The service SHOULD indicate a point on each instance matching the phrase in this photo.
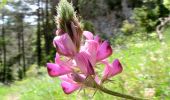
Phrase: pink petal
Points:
(59, 32)
(69, 87)
(84, 64)
(97, 39)
(90, 48)
(57, 70)
(104, 51)
(65, 61)
(112, 69)
(117, 66)
(77, 77)
(64, 45)
(57, 58)
(73, 78)
(67, 78)
(97, 79)
(88, 35)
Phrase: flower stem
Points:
(117, 94)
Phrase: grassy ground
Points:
(146, 74)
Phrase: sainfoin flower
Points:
(77, 69)
(76, 61)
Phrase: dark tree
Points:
(4, 49)
(38, 36)
(23, 43)
(47, 36)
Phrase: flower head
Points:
(76, 64)
(78, 69)
(67, 22)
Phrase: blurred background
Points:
(138, 30)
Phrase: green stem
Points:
(117, 94)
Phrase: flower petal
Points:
(104, 51)
(57, 58)
(117, 66)
(90, 48)
(69, 87)
(97, 39)
(59, 32)
(67, 78)
(64, 45)
(82, 60)
(112, 69)
(68, 84)
(57, 70)
(88, 35)
(79, 78)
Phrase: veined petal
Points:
(117, 66)
(66, 61)
(67, 78)
(64, 45)
(112, 69)
(104, 51)
(91, 48)
(97, 39)
(88, 35)
(57, 70)
(84, 64)
(69, 87)
(73, 78)
(77, 77)
(57, 58)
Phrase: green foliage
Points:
(89, 8)
(87, 25)
(128, 28)
(167, 4)
(146, 17)
(20, 73)
(114, 4)
(65, 14)
(2, 3)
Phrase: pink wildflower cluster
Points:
(76, 66)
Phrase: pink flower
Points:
(57, 70)
(73, 82)
(98, 52)
(68, 84)
(111, 69)
(64, 45)
(84, 63)
(102, 50)
(77, 67)
(59, 67)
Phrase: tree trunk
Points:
(19, 47)
(4, 50)
(23, 45)
(46, 34)
(38, 36)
